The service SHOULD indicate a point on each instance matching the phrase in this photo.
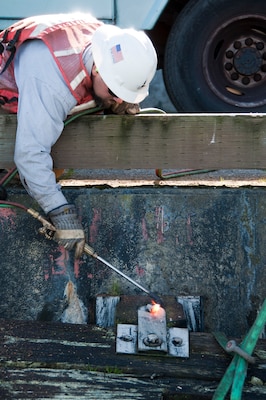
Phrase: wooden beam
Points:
(49, 359)
(166, 141)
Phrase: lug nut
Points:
(237, 44)
(234, 76)
(245, 80)
(228, 66)
(260, 45)
(229, 54)
(257, 77)
(249, 41)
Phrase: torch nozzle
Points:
(156, 298)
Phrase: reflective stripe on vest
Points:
(66, 37)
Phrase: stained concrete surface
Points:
(205, 241)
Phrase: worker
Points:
(52, 66)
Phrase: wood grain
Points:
(213, 141)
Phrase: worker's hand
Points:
(69, 232)
(125, 108)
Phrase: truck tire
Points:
(215, 57)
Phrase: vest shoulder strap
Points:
(9, 46)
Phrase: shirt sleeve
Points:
(44, 103)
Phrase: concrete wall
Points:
(175, 241)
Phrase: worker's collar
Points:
(88, 59)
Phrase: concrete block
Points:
(175, 241)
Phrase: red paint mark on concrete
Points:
(46, 274)
(7, 216)
(160, 237)
(144, 229)
(59, 264)
(189, 231)
(97, 216)
(159, 224)
(77, 265)
(140, 271)
(76, 268)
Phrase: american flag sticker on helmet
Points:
(116, 53)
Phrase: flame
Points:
(155, 308)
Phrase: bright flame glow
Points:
(155, 308)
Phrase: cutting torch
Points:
(48, 230)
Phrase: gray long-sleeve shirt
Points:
(44, 103)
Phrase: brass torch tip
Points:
(156, 299)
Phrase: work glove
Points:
(125, 108)
(69, 232)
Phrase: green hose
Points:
(82, 113)
(6, 180)
(236, 372)
(72, 118)
(249, 344)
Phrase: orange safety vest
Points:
(66, 36)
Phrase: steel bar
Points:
(89, 250)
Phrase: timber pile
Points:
(41, 360)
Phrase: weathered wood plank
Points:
(43, 384)
(213, 141)
(58, 384)
(33, 383)
(48, 360)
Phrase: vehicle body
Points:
(212, 52)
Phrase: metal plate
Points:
(192, 306)
(178, 342)
(126, 339)
(152, 329)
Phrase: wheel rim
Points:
(234, 61)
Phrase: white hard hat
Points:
(126, 60)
